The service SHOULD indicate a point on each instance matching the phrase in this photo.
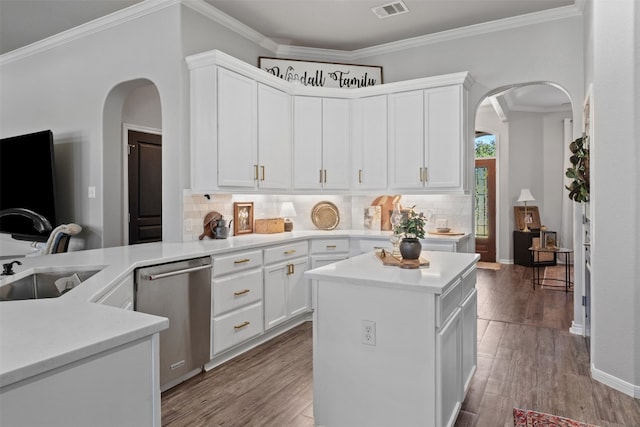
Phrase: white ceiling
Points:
(329, 24)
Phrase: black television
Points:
(27, 180)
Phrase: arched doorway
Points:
(134, 105)
(528, 123)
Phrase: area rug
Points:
(489, 265)
(529, 418)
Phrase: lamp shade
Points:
(287, 210)
(525, 196)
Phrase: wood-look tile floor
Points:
(526, 358)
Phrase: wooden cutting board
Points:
(386, 203)
(388, 259)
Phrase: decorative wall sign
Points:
(322, 74)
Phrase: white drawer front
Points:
(328, 246)
(238, 261)
(235, 291)
(285, 252)
(362, 246)
(468, 281)
(438, 246)
(448, 302)
(236, 327)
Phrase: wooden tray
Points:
(387, 259)
(448, 233)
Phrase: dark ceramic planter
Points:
(410, 248)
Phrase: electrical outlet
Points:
(368, 332)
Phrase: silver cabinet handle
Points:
(176, 272)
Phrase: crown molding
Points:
(233, 24)
(444, 36)
(150, 6)
(108, 21)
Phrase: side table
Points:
(537, 280)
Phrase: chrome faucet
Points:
(40, 223)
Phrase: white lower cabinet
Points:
(286, 291)
(236, 299)
(328, 251)
(449, 394)
(469, 341)
(121, 295)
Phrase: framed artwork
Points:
(532, 218)
(242, 218)
(322, 74)
(548, 239)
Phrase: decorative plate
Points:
(325, 216)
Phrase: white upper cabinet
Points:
(253, 131)
(426, 129)
(237, 130)
(274, 138)
(321, 136)
(369, 143)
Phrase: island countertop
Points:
(367, 269)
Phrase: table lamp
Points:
(287, 211)
(525, 196)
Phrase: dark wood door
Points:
(485, 206)
(145, 187)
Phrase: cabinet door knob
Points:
(255, 172)
(360, 176)
(242, 292)
(262, 170)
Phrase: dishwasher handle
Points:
(176, 272)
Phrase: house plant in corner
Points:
(412, 227)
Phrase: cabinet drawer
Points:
(329, 246)
(447, 303)
(285, 252)
(430, 245)
(238, 261)
(361, 246)
(236, 290)
(236, 327)
(468, 281)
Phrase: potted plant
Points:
(579, 171)
(412, 227)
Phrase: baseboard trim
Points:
(576, 328)
(615, 383)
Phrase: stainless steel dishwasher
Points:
(180, 291)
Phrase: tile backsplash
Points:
(456, 209)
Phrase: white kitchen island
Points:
(392, 346)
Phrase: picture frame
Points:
(548, 239)
(532, 220)
(322, 74)
(242, 218)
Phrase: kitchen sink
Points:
(42, 283)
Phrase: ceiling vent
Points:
(390, 9)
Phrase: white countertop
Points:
(367, 269)
(40, 335)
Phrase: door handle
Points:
(262, 170)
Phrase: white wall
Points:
(65, 89)
(612, 45)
